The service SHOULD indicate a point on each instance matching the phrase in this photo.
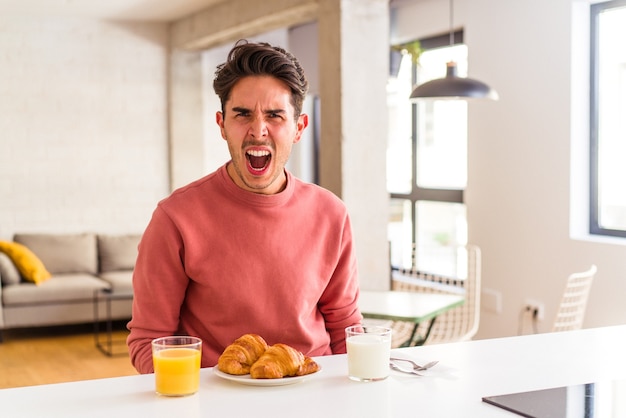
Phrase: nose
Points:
(258, 127)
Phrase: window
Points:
(608, 124)
(427, 163)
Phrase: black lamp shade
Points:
(454, 87)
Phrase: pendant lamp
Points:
(452, 86)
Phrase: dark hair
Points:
(251, 59)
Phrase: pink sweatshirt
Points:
(218, 262)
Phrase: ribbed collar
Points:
(255, 199)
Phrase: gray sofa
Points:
(81, 265)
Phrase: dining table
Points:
(416, 307)
(467, 373)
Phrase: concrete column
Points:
(354, 61)
(186, 118)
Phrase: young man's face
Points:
(258, 125)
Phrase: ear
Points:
(219, 118)
(301, 124)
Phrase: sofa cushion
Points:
(28, 264)
(120, 281)
(8, 272)
(60, 288)
(64, 253)
(117, 252)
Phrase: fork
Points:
(416, 366)
(394, 366)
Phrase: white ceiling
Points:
(149, 10)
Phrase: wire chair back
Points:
(458, 324)
(571, 311)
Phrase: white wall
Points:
(83, 140)
(520, 183)
(83, 133)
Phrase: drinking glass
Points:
(369, 349)
(176, 365)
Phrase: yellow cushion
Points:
(28, 264)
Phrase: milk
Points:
(368, 356)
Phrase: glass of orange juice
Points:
(176, 365)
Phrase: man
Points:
(249, 248)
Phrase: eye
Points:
(240, 112)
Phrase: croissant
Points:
(241, 354)
(281, 360)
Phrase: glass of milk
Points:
(369, 348)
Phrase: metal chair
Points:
(458, 324)
(573, 305)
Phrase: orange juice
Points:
(177, 371)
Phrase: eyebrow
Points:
(240, 109)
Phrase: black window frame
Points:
(594, 117)
(421, 193)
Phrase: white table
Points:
(413, 307)
(454, 388)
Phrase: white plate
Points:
(247, 380)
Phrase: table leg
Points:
(96, 319)
(408, 342)
(417, 340)
(109, 322)
(106, 346)
(428, 330)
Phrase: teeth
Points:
(258, 153)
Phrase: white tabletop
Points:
(454, 388)
(406, 306)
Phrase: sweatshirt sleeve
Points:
(339, 302)
(159, 284)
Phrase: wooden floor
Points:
(59, 354)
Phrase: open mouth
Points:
(258, 159)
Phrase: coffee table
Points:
(106, 296)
